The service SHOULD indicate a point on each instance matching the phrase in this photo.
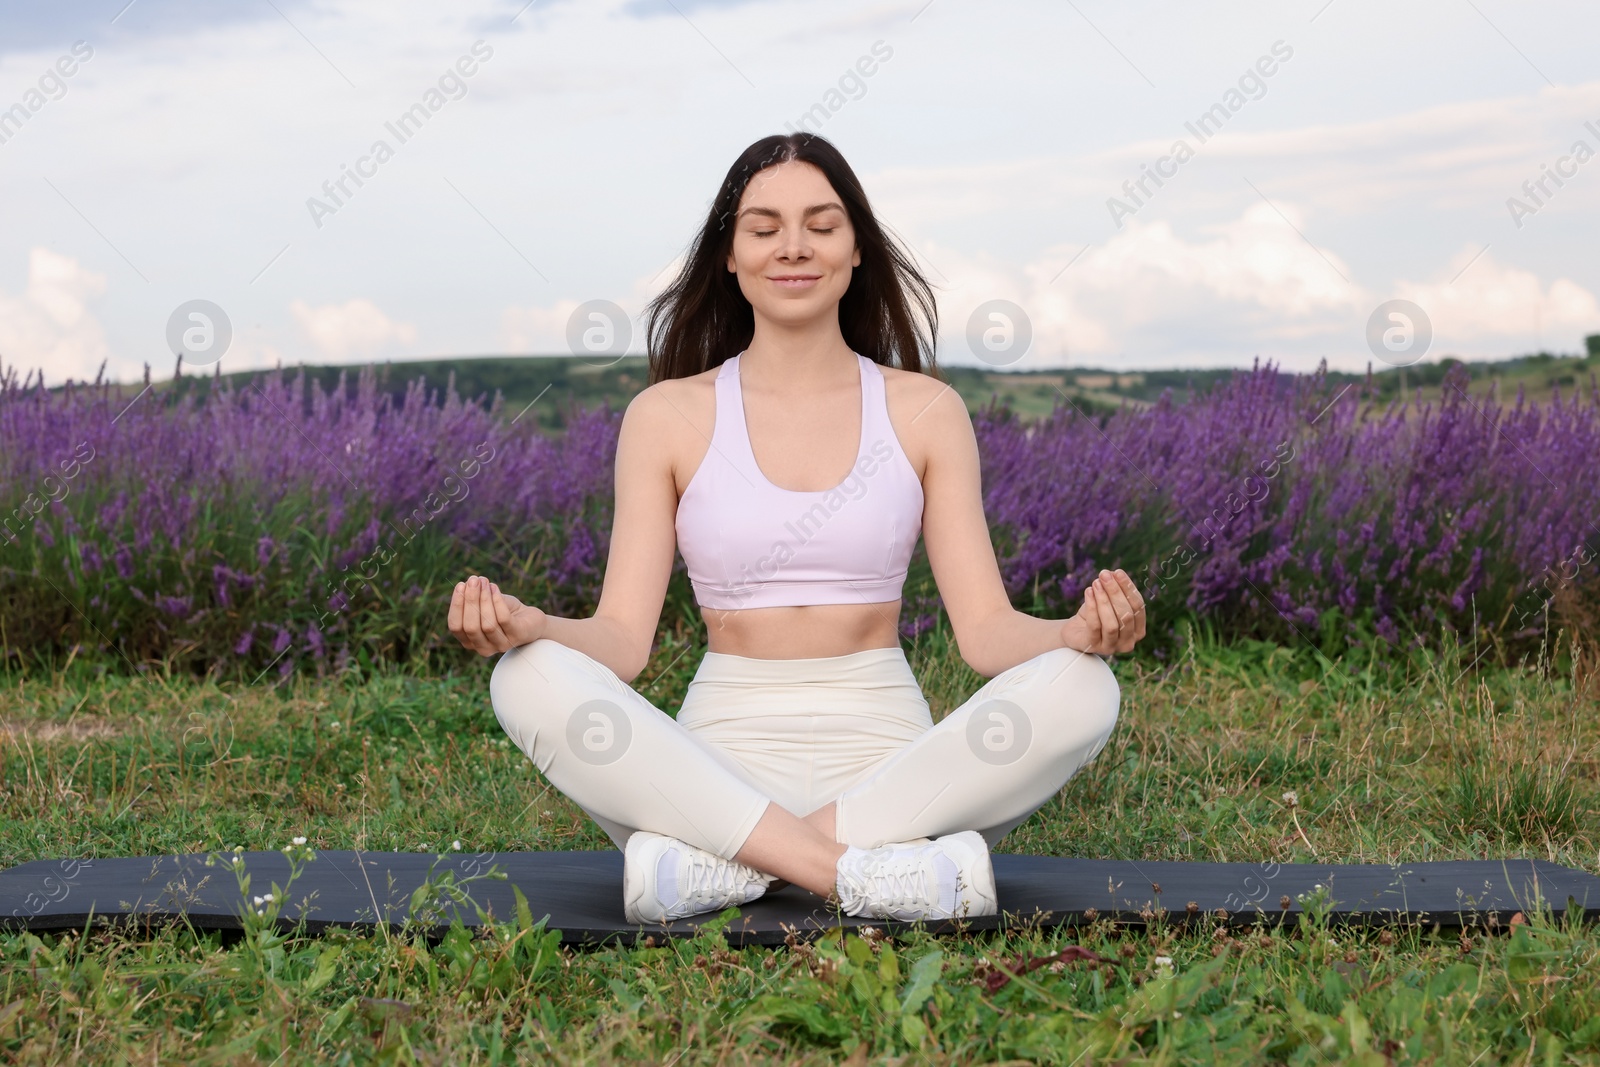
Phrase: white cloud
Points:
(542, 331)
(50, 327)
(1254, 286)
(538, 331)
(1254, 281)
(1490, 300)
(355, 328)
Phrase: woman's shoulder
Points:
(920, 397)
(677, 404)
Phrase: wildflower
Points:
(456, 845)
(1291, 798)
(297, 841)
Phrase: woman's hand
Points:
(1112, 615)
(488, 621)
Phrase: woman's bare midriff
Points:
(808, 631)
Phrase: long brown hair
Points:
(702, 318)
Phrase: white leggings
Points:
(802, 733)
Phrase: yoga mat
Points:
(581, 893)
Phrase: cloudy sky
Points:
(179, 157)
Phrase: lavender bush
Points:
(1277, 510)
(275, 524)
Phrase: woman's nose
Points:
(795, 245)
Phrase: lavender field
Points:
(280, 527)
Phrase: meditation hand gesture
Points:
(1112, 615)
(488, 621)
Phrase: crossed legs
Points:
(986, 766)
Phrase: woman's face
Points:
(793, 245)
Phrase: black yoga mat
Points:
(581, 893)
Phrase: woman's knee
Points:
(531, 686)
(1082, 697)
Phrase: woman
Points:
(804, 751)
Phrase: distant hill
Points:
(552, 384)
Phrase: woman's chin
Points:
(798, 311)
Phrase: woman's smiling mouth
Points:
(795, 281)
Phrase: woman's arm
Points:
(638, 566)
(622, 630)
(991, 635)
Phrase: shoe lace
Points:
(708, 877)
(898, 881)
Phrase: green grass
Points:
(1235, 753)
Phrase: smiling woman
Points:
(792, 375)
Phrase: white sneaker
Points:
(941, 879)
(665, 879)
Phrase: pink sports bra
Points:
(750, 544)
